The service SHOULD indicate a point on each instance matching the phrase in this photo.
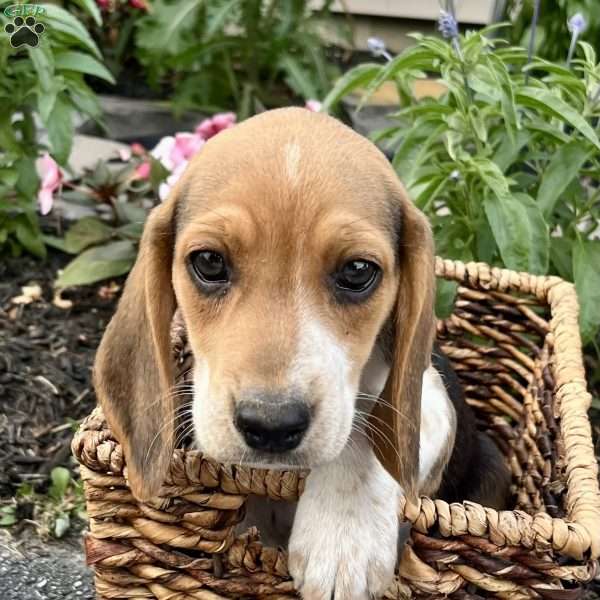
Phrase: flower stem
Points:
(534, 22)
(572, 49)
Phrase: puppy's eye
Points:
(209, 266)
(356, 276)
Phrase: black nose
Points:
(272, 426)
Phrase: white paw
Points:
(344, 539)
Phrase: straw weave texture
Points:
(513, 339)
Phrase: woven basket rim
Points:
(576, 536)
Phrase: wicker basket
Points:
(513, 339)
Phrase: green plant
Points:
(111, 25)
(505, 166)
(551, 42)
(106, 246)
(45, 86)
(53, 511)
(245, 55)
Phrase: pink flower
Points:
(51, 178)
(137, 149)
(103, 4)
(313, 105)
(186, 145)
(164, 189)
(162, 151)
(210, 127)
(125, 154)
(139, 4)
(173, 151)
(142, 171)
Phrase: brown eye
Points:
(209, 266)
(356, 276)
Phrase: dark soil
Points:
(46, 355)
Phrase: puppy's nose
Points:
(272, 426)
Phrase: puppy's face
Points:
(288, 245)
(285, 272)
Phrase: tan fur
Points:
(285, 219)
(413, 339)
(133, 368)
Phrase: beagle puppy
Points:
(305, 278)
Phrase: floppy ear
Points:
(413, 324)
(133, 370)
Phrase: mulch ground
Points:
(46, 355)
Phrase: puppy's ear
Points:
(133, 370)
(413, 324)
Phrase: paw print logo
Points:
(24, 31)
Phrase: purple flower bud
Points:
(447, 25)
(377, 48)
(577, 24)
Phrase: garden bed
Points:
(46, 354)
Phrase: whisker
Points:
(372, 428)
(387, 404)
(372, 416)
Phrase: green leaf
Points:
(509, 110)
(129, 213)
(444, 298)
(356, 78)
(217, 20)
(589, 52)
(555, 107)
(413, 150)
(47, 98)
(28, 181)
(82, 63)
(298, 77)
(539, 235)
(8, 176)
(559, 173)
(59, 19)
(507, 218)
(508, 150)
(158, 173)
(60, 129)
(55, 242)
(131, 231)
(8, 515)
(167, 29)
(43, 63)
(86, 232)
(30, 237)
(561, 255)
(98, 263)
(414, 58)
(60, 478)
(85, 100)
(586, 270)
(425, 196)
(91, 7)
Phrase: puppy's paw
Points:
(344, 545)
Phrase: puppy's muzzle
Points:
(272, 422)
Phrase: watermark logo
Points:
(25, 30)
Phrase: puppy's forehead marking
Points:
(291, 152)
